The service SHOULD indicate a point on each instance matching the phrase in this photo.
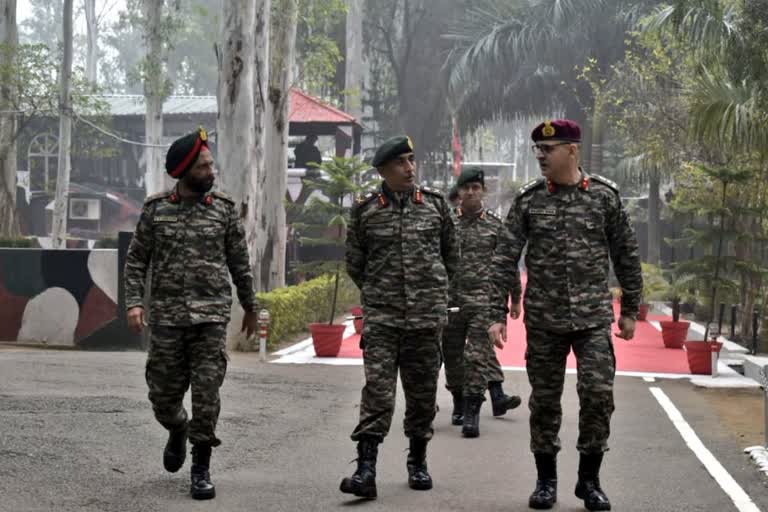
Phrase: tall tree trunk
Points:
(154, 93)
(282, 53)
(654, 217)
(234, 128)
(255, 231)
(354, 69)
(596, 142)
(60, 212)
(9, 39)
(92, 33)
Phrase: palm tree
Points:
(519, 58)
(726, 97)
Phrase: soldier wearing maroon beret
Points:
(193, 240)
(573, 225)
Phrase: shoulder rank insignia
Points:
(159, 195)
(605, 181)
(492, 214)
(222, 195)
(365, 198)
(430, 191)
(530, 186)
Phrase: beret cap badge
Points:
(548, 130)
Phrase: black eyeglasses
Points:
(546, 149)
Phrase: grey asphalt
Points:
(77, 434)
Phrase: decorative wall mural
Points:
(67, 297)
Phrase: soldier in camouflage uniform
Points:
(573, 224)
(470, 360)
(192, 240)
(401, 252)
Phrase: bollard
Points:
(263, 332)
(733, 322)
(755, 318)
(713, 353)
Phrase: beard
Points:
(201, 186)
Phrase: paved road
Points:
(76, 434)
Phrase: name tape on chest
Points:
(166, 218)
(551, 212)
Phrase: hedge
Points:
(19, 242)
(293, 308)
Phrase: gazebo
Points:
(310, 116)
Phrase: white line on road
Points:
(649, 379)
(740, 498)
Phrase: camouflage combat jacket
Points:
(191, 249)
(402, 250)
(571, 232)
(477, 234)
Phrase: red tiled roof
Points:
(308, 109)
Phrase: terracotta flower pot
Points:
(674, 333)
(357, 311)
(327, 338)
(700, 355)
(643, 312)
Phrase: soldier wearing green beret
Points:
(401, 252)
(471, 365)
(193, 240)
(573, 224)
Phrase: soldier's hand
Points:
(498, 334)
(250, 323)
(515, 311)
(627, 326)
(136, 319)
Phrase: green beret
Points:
(184, 151)
(392, 148)
(469, 175)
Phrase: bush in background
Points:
(293, 308)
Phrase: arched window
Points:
(42, 159)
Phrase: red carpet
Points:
(645, 353)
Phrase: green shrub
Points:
(106, 243)
(19, 242)
(293, 308)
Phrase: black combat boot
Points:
(501, 402)
(202, 488)
(363, 482)
(418, 477)
(472, 406)
(588, 486)
(176, 448)
(545, 494)
(457, 416)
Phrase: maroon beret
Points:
(560, 129)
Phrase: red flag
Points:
(456, 145)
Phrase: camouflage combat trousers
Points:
(470, 360)
(183, 356)
(416, 354)
(545, 362)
